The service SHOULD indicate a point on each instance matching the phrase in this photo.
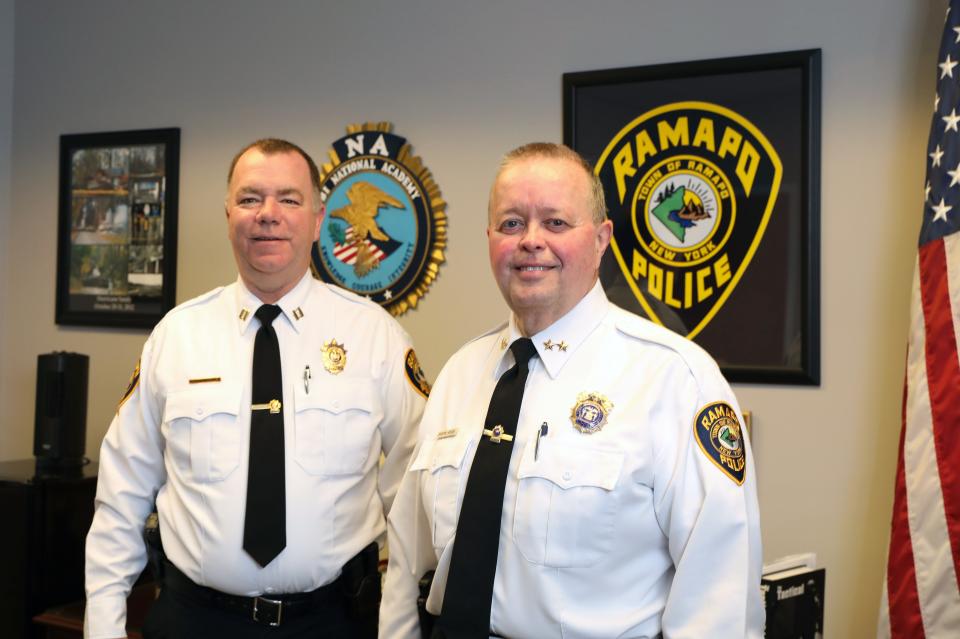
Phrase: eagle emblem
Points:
(356, 242)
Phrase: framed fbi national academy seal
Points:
(384, 232)
(711, 176)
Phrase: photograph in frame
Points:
(116, 263)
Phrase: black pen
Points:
(540, 433)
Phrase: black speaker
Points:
(60, 427)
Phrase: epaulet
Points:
(199, 300)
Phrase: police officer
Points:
(255, 423)
(624, 500)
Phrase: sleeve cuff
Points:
(105, 618)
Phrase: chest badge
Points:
(590, 413)
(334, 357)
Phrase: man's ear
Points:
(320, 214)
(604, 232)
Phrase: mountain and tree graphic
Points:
(679, 208)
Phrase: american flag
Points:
(347, 251)
(921, 597)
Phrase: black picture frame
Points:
(764, 325)
(117, 227)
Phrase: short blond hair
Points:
(552, 150)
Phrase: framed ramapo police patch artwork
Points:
(385, 229)
(711, 171)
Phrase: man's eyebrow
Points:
(256, 190)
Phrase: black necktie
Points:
(469, 593)
(265, 524)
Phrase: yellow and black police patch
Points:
(690, 187)
(415, 374)
(131, 386)
(719, 436)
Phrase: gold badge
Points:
(334, 357)
(590, 413)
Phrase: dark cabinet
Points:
(44, 518)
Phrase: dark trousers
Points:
(174, 616)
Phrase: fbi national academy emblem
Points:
(690, 187)
(385, 229)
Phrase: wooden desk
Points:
(66, 622)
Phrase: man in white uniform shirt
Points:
(629, 506)
(270, 502)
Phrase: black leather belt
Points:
(270, 610)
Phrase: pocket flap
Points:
(439, 453)
(336, 395)
(568, 466)
(200, 402)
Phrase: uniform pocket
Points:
(202, 430)
(567, 505)
(335, 424)
(442, 463)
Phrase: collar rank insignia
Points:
(590, 413)
(719, 436)
(334, 357)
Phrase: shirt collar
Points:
(291, 305)
(557, 343)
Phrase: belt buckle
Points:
(271, 615)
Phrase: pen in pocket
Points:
(540, 433)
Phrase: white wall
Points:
(465, 83)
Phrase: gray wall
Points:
(465, 83)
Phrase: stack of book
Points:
(793, 594)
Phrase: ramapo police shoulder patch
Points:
(415, 374)
(131, 386)
(385, 229)
(690, 187)
(720, 437)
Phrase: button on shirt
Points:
(628, 531)
(183, 436)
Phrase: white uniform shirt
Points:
(183, 436)
(629, 531)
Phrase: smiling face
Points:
(273, 221)
(545, 247)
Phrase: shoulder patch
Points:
(719, 436)
(415, 374)
(131, 386)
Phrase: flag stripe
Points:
(927, 523)
(903, 619)
(943, 373)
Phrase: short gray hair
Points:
(598, 204)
